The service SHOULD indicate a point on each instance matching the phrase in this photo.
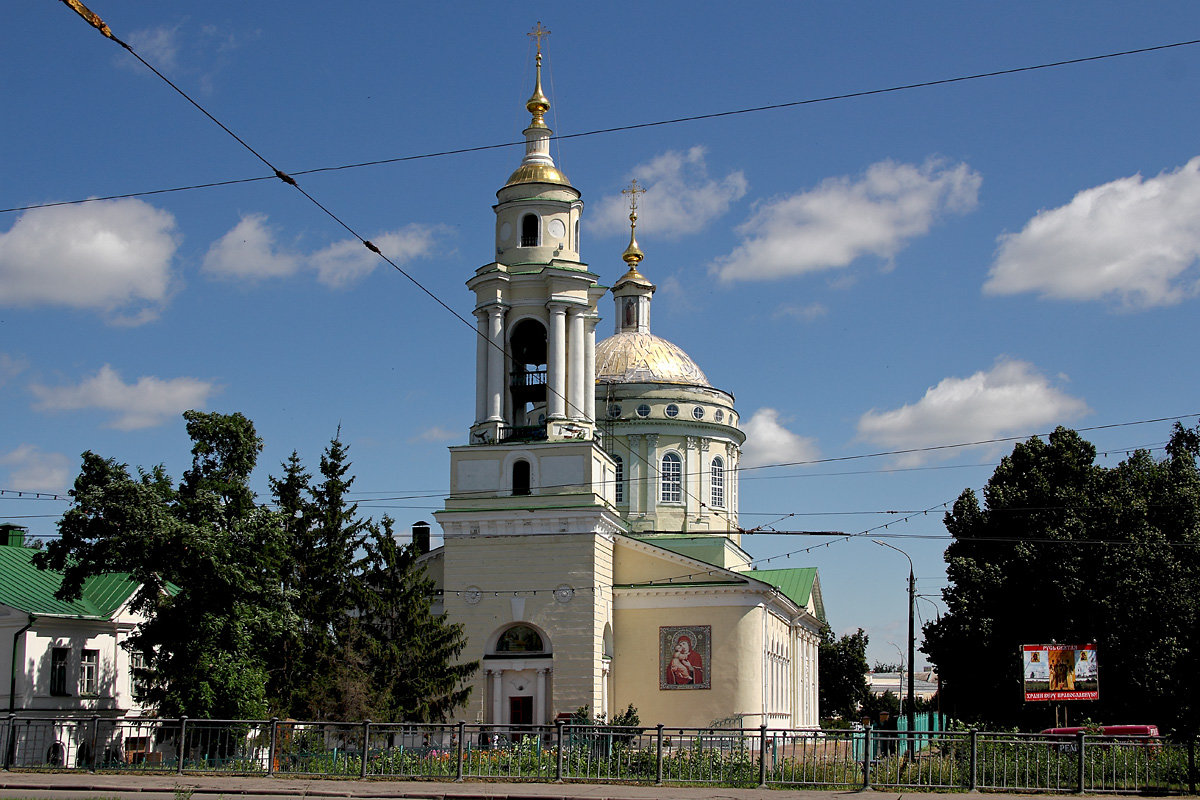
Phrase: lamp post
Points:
(912, 642)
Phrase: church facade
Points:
(591, 548)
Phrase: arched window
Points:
(717, 482)
(520, 477)
(520, 639)
(620, 487)
(529, 230)
(672, 479)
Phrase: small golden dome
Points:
(633, 357)
(538, 173)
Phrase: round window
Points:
(719, 415)
(698, 412)
(643, 410)
(672, 410)
(614, 410)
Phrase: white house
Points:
(60, 659)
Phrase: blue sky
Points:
(983, 259)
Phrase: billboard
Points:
(1060, 672)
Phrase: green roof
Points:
(797, 584)
(27, 588)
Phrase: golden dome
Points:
(538, 173)
(633, 357)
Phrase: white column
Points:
(497, 695)
(481, 366)
(539, 698)
(577, 405)
(704, 478)
(605, 670)
(634, 470)
(691, 477)
(589, 370)
(650, 484)
(557, 389)
(495, 368)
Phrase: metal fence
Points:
(888, 759)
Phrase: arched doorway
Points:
(518, 664)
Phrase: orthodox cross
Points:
(633, 191)
(537, 33)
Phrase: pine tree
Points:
(411, 654)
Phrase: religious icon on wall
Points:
(684, 654)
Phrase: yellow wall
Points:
(502, 565)
(735, 671)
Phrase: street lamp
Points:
(912, 642)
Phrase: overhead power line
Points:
(582, 134)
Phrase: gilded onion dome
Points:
(537, 166)
(637, 357)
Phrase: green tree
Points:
(208, 560)
(1065, 550)
(325, 535)
(409, 654)
(841, 673)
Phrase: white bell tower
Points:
(536, 305)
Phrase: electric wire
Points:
(621, 128)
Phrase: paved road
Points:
(77, 785)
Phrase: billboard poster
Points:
(1060, 672)
(684, 655)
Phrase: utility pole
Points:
(912, 645)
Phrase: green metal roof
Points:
(797, 584)
(27, 588)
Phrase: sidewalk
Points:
(75, 785)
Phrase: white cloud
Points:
(10, 367)
(436, 433)
(31, 470)
(113, 256)
(805, 313)
(769, 442)
(845, 218)
(148, 402)
(1134, 240)
(680, 197)
(159, 46)
(249, 251)
(1012, 398)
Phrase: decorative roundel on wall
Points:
(672, 410)
(643, 410)
(472, 595)
(698, 412)
(505, 231)
(719, 415)
(564, 593)
(556, 229)
(614, 410)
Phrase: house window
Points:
(717, 482)
(529, 230)
(672, 479)
(58, 671)
(672, 410)
(89, 673)
(137, 676)
(520, 477)
(620, 487)
(643, 410)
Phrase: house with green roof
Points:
(63, 658)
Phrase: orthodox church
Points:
(591, 548)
